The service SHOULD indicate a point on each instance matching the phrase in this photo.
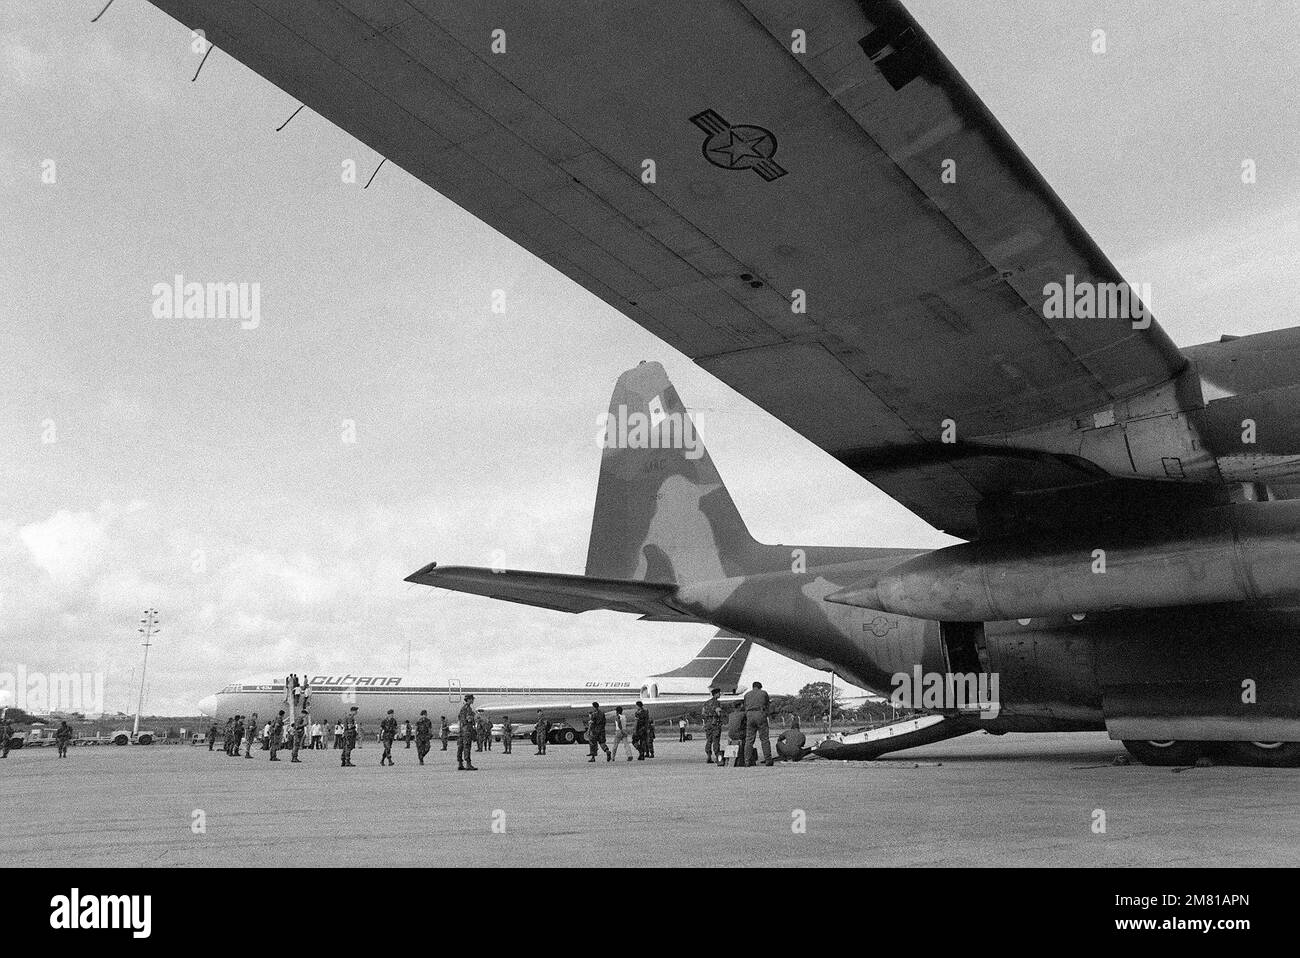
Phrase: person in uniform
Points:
(649, 738)
(712, 712)
(277, 735)
(349, 737)
(299, 731)
(756, 705)
(735, 737)
(596, 732)
(408, 734)
(507, 734)
(212, 736)
(541, 731)
(423, 735)
(621, 735)
(63, 738)
(252, 736)
(640, 730)
(484, 732)
(225, 735)
(444, 732)
(236, 736)
(465, 739)
(387, 732)
(7, 733)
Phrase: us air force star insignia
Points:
(880, 626)
(738, 147)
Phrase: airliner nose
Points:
(208, 705)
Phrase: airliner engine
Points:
(1244, 552)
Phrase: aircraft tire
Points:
(1262, 754)
(1165, 753)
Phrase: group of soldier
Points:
(747, 727)
(62, 737)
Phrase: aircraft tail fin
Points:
(717, 665)
(662, 512)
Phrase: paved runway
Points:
(1009, 800)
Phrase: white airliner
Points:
(667, 695)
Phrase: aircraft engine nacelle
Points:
(1238, 553)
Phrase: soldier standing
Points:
(7, 732)
(712, 712)
(299, 729)
(444, 732)
(277, 734)
(349, 737)
(225, 738)
(236, 736)
(408, 733)
(756, 706)
(465, 743)
(423, 735)
(640, 730)
(484, 732)
(507, 734)
(62, 738)
(387, 732)
(541, 731)
(212, 736)
(596, 732)
(252, 736)
(649, 737)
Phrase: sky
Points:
(199, 467)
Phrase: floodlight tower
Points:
(148, 627)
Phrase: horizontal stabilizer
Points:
(563, 593)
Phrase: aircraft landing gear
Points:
(1168, 752)
(1262, 754)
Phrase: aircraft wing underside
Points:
(781, 216)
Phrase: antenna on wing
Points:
(376, 173)
(291, 116)
(207, 53)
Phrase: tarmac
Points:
(979, 800)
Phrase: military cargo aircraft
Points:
(667, 695)
(806, 199)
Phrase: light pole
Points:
(148, 626)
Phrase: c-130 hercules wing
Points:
(761, 184)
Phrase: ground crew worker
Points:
(277, 734)
(63, 738)
(756, 705)
(596, 732)
(252, 735)
(299, 730)
(507, 733)
(712, 713)
(212, 736)
(408, 733)
(387, 732)
(444, 732)
(423, 735)
(621, 735)
(349, 737)
(640, 730)
(467, 720)
(541, 732)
